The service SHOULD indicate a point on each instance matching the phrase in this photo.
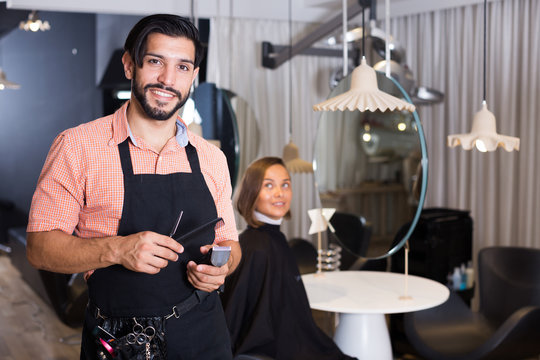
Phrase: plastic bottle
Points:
(462, 271)
(470, 275)
(456, 279)
(449, 281)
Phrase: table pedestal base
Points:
(364, 336)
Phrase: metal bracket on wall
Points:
(275, 55)
(271, 54)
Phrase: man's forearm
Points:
(63, 253)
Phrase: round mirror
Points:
(372, 168)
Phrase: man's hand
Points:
(206, 277)
(57, 251)
(147, 251)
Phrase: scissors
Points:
(140, 335)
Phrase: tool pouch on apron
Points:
(140, 338)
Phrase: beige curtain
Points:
(445, 51)
(235, 63)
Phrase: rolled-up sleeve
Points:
(59, 195)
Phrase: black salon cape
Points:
(266, 305)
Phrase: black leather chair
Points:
(305, 254)
(353, 234)
(507, 324)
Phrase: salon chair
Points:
(67, 294)
(305, 254)
(506, 326)
(353, 233)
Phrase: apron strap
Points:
(193, 159)
(125, 158)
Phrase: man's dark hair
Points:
(170, 25)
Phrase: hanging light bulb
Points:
(34, 23)
(483, 133)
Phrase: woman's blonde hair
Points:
(251, 185)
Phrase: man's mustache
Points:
(159, 86)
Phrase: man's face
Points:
(161, 85)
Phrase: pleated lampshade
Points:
(364, 95)
(292, 160)
(484, 135)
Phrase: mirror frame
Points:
(423, 186)
(423, 189)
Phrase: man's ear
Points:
(129, 65)
(195, 72)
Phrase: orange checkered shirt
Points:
(81, 186)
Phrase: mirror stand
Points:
(319, 272)
(406, 295)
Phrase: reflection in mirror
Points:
(208, 113)
(227, 120)
(367, 166)
(248, 132)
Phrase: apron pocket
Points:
(137, 338)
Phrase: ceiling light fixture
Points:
(483, 134)
(34, 23)
(5, 83)
(364, 93)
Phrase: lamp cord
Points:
(290, 70)
(363, 33)
(485, 42)
(344, 40)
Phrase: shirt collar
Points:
(265, 219)
(121, 129)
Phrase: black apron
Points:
(152, 202)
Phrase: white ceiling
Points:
(302, 10)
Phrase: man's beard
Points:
(155, 112)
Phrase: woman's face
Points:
(274, 199)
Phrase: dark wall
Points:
(57, 73)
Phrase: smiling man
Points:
(115, 193)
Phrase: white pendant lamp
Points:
(5, 83)
(291, 158)
(364, 93)
(483, 134)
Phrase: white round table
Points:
(362, 298)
